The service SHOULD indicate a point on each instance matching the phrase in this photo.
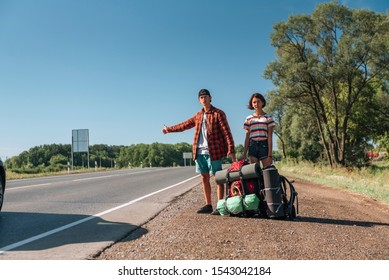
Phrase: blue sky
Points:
(123, 68)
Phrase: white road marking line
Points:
(108, 176)
(51, 232)
(75, 180)
(93, 178)
(30, 186)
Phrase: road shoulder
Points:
(332, 224)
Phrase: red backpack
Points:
(236, 187)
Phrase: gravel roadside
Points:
(332, 224)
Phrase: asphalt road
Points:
(76, 216)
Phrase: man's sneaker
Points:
(216, 212)
(207, 209)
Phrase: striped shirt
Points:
(258, 126)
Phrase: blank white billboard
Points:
(80, 140)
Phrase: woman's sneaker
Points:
(207, 209)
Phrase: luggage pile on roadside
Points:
(255, 192)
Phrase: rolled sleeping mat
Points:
(220, 176)
(249, 171)
(273, 193)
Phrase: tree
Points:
(276, 107)
(328, 63)
(58, 159)
(381, 117)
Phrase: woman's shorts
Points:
(205, 165)
(258, 149)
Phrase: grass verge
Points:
(372, 181)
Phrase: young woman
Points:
(259, 127)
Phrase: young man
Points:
(212, 141)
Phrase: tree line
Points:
(57, 157)
(331, 73)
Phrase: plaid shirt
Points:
(220, 141)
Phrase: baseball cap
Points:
(204, 92)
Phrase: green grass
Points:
(372, 181)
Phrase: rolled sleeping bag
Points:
(249, 171)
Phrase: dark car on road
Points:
(2, 183)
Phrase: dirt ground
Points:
(332, 224)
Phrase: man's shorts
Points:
(258, 149)
(205, 165)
